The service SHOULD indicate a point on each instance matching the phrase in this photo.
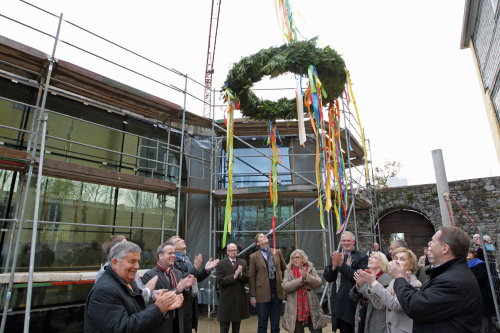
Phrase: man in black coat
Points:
(450, 301)
(115, 303)
(341, 274)
(231, 277)
(171, 279)
(187, 266)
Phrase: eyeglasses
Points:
(233, 250)
(296, 257)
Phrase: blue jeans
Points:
(269, 310)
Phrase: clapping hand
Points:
(397, 271)
(198, 259)
(185, 283)
(303, 275)
(238, 272)
(211, 264)
(337, 259)
(363, 277)
(166, 300)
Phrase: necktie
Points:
(345, 258)
(233, 262)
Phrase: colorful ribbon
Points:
(367, 171)
(232, 103)
(273, 176)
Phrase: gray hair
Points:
(171, 240)
(120, 250)
(304, 256)
(348, 233)
(400, 243)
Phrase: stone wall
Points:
(479, 198)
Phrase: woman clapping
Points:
(385, 298)
(302, 305)
(368, 318)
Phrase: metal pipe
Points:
(212, 238)
(284, 224)
(488, 269)
(278, 231)
(43, 119)
(98, 225)
(179, 183)
(348, 142)
(31, 150)
(442, 188)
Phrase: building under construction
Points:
(83, 156)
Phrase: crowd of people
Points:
(445, 290)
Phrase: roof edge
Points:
(469, 22)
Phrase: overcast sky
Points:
(415, 89)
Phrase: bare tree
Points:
(382, 174)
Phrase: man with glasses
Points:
(232, 276)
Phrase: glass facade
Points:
(250, 217)
(76, 217)
(251, 168)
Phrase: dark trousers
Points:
(269, 310)
(345, 327)
(224, 326)
(301, 329)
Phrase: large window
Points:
(251, 168)
(75, 219)
(252, 216)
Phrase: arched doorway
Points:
(416, 229)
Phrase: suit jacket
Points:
(190, 305)
(233, 301)
(259, 276)
(342, 306)
(162, 283)
(449, 302)
(112, 307)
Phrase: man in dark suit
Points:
(186, 265)
(231, 276)
(115, 303)
(171, 279)
(341, 273)
(265, 276)
(450, 301)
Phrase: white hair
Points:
(120, 250)
(348, 233)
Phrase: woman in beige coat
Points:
(302, 307)
(396, 318)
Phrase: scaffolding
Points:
(165, 167)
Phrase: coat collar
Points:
(435, 271)
(135, 290)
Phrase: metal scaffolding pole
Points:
(212, 238)
(43, 119)
(179, 183)
(353, 203)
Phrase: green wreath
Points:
(274, 61)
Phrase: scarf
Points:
(303, 311)
(474, 262)
(182, 256)
(168, 271)
(271, 268)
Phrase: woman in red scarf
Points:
(302, 305)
